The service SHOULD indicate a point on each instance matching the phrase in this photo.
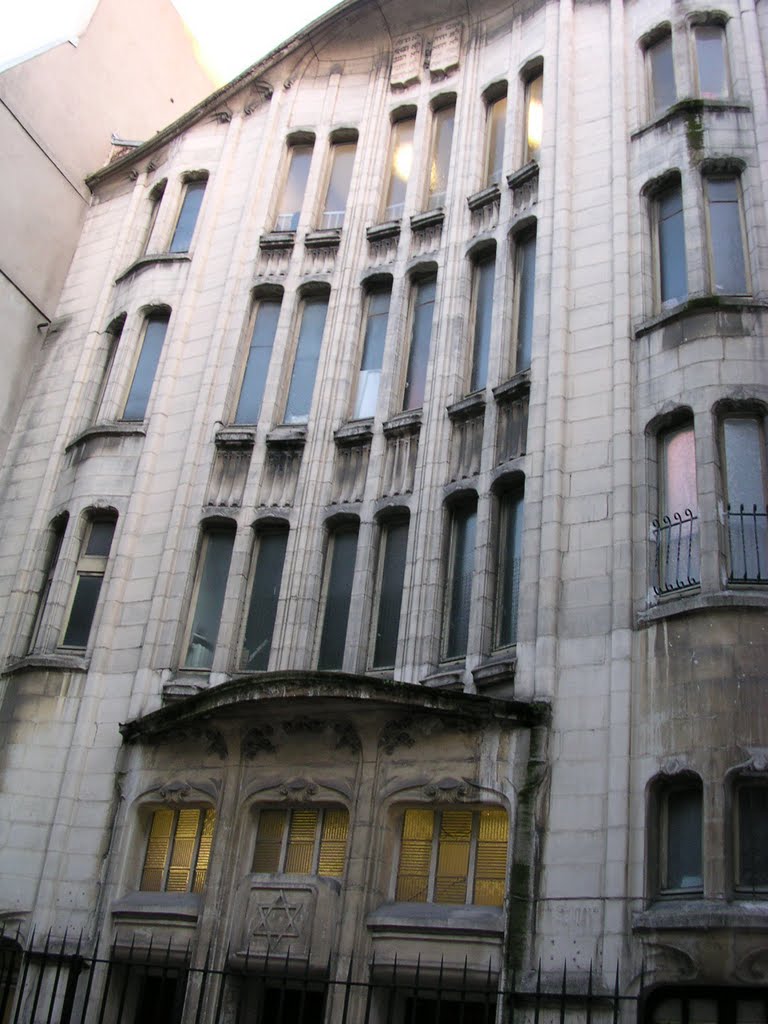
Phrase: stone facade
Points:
(490, 542)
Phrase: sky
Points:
(231, 34)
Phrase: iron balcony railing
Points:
(676, 539)
(747, 544)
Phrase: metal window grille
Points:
(676, 539)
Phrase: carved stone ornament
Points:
(757, 759)
(446, 46)
(673, 766)
(396, 734)
(278, 919)
(257, 741)
(406, 60)
(214, 740)
(346, 737)
(175, 792)
(670, 963)
(753, 968)
(298, 790)
(263, 95)
(303, 724)
(446, 790)
(223, 116)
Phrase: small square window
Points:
(178, 850)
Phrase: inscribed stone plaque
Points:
(445, 48)
(406, 59)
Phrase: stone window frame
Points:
(397, 815)
(680, 781)
(212, 525)
(388, 519)
(269, 293)
(87, 566)
(335, 526)
(265, 526)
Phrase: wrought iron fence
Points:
(55, 983)
(677, 552)
(747, 544)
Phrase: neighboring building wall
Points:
(58, 112)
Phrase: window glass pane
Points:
(395, 540)
(753, 836)
(497, 117)
(157, 851)
(400, 169)
(338, 598)
(673, 271)
(100, 537)
(703, 1011)
(677, 534)
(259, 353)
(683, 839)
(338, 184)
(301, 842)
(710, 61)
(534, 118)
(679, 484)
(373, 354)
(484, 275)
(669, 1012)
(415, 856)
(510, 542)
(663, 91)
(265, 592)
(269, 841)
(460, 582)
(526, 280)
(440, 162)
(210, 598)
(749, 1011)
(727, 251)
(305, 363)
(453, 857)
(418, 357)
(333, 843)
(745, 485)
(155, 199)
(83, 609)
(289, 208)
(146, 367)
(190, 208)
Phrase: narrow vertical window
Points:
(726, 241)
(178, 850)
(257, 362)
(440, 158)
(745, 479)
(752, 836)
(421, 332)
(672, 264)
(342, 161)
(55, 540)
(461, 566)
(146, 368)
(155, 198)
(377, 317)
(711, 62)
(525, 281)
(190, 208)
(662, 91)
(509, 556)
(340, 568)
(292, 198)
(484, 274)
(91, 568)
(495, 130)
(394, 544)
(265, 592)
(113, 332)
(208, 597)
(401, 161)
(680, 834)
(677, 528)
(534, 119)
(305, 363)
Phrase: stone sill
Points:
(684, 107)
(699, 304)
(448, 678)
(110, 428)
(381, 232)
(688, 603)
(403, 423)
(152, 260)
(485, 197)
(47, 663)
(701, 915)
(324, 239)
(354, 432)
(499, 669)
(235, 437)
(516, 387)
(426, 918)
(276, 240)
(151, 906)
(524, 175)
(287, 435)
(465, 408)
(428, 219)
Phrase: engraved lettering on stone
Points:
(406, 60)
(445, 48)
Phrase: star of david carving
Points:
(277, 920)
